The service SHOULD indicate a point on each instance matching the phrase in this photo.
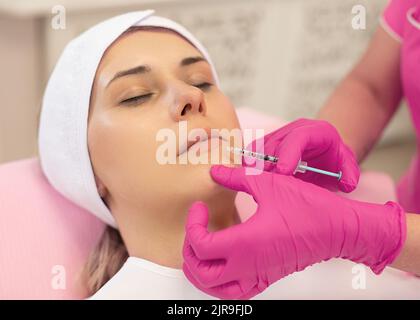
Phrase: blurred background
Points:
(281, 57)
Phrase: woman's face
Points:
(150, 80)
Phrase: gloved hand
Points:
(297, 224)
(319, 144)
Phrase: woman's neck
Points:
(159, 236)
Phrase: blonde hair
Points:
(105, 260)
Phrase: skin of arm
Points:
(366, 99)
(409, 258)
(361, 107)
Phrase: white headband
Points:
(63, 147)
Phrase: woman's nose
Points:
(189, 102)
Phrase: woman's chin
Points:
(197, 173)
(204, 182)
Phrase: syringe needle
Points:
(302, 166)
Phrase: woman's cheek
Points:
(219, 105)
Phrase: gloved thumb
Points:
(197, 219)
(234, 178)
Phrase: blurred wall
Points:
(20, 87)
(283, 57)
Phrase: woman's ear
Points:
(101, 187)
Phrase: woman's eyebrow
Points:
(145, 68)
(136, 70)
(190, 60)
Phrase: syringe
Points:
(302, 166)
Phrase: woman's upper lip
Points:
(202, 137)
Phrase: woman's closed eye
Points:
(136, 100)
(203, 86)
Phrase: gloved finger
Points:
(311, 141)
(258, 287)
(209, 273)
(257, 146)
(188, 274)
(206, 272)
(207, 245)
(273, 138)
(230, 290)
(191, 278)
(233, 290)
(289, 152)
(252, 293)
(350, 170)
(268, 143)
(234, 178)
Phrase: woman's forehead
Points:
(151, 47)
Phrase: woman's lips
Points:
(202, 138)
(206, 145)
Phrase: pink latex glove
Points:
(297, 224)
(319, 144)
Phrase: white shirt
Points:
(142, 279)
(335, 279)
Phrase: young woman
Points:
(113, 91)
